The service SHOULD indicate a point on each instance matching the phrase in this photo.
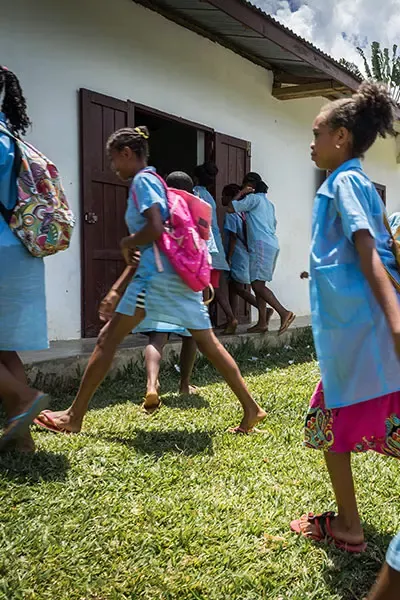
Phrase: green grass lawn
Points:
(172, 507)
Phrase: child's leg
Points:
(209, 345)
(387, 586)
(269, 297)
(12, 362)
(222, 299)
(99, 364)
(346, 526)
(152, 356)
(187, 359)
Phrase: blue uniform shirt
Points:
(218, 257)
(260, 219)
(354, 345)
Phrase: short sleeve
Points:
(148, 191)
(230, 223)
(248, 203)
(6, 151)
(351, 200)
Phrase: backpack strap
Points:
(7, 213)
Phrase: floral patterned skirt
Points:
(372, 425)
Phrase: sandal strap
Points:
(323, 523)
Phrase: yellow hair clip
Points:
(142, 133)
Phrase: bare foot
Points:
(286, 322)
(353, 535)
(151, 402)
(185, 389)
(63, 421)
(258, 328)
(231, 327)
(251, 419)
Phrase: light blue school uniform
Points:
(150, 326)
(240, 262)
(218, 258)
(23, 321)
(261, 235)
(167, 298)
(394, 222)
(354, 345)
(393, 554)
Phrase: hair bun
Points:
(374, 101)
(211, 169)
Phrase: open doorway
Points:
(174, 145)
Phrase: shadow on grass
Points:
(130, 382)
(29, 469)
(351, 576)
(185, 402)
(157, 443)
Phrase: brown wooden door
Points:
(103, 203)
(233, 158)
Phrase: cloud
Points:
(337, 26)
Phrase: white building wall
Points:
(123, 50)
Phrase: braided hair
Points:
(136, 139)
(367, 114)
(14, 103)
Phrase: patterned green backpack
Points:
(41, 219)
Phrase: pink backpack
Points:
(183, 239)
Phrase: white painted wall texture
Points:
(118, 48)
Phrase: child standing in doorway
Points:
(354, 289)
(263, 248)
(155, 292)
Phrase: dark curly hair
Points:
(254, 179)
(14, 103)
(367, 114)
(206, 173)
(136, 139)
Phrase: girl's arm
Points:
(377, 277)
(147, 235)
(111, 300)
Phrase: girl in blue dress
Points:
(155, 293)
(263, 248)
(237, 254)
(355, 303)
(204, 177)
(158, 334)
(23, 324)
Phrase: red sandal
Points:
(325, 534)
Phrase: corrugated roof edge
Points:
(298, 37)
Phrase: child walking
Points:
(355, 310)
(263, 248)
(23, 323)
(237, 254)
(159, 333)
(159, 294)
(204, 177)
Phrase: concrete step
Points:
(68, 359)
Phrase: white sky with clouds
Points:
(336, 26)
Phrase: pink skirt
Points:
(372, 425)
